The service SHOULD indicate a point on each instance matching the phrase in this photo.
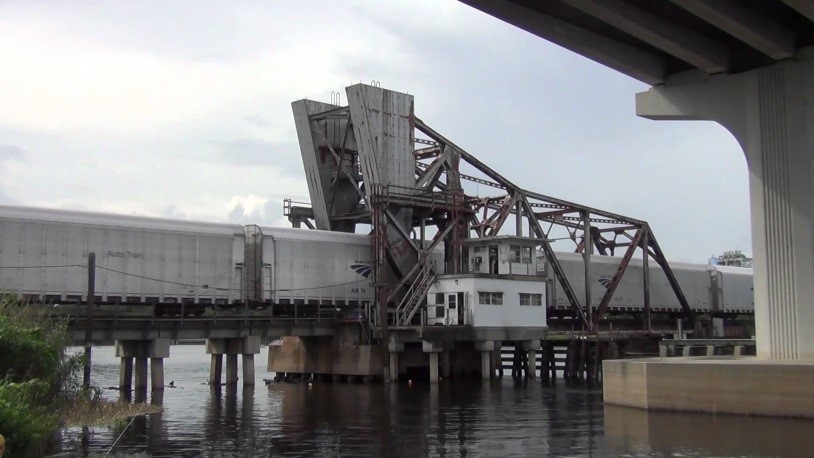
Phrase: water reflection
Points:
(668, 434)
(500, 418)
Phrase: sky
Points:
(183, 109)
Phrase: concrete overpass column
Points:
(770, 111)
(485, 348)
(433, 348)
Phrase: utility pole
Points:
(89, 316)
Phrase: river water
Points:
(500, 418)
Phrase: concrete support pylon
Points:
(394, 347)
(248, 369)
(126, 374)
(770, 112)
(246, 346)
(394, 366)
(433, 348)
(485, 349)
(231, 369)
(215, 369)
(434, 367)
(141, 373)
(157, 373)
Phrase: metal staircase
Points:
(415, 295)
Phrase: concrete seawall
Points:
(717, 385)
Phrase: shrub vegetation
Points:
(40, 387)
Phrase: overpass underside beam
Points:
(770, 111)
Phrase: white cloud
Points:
(142, 107)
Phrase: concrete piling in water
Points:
(248, 369)
(141, 373)
(215, 369)
(126, 374)
(157, 373)
(231, 369)
(433, 348)
(133, 356)
(485, 348)
(247, 347)
(434, 367)
(445, 364)
(394, 348)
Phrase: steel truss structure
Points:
(366, 165)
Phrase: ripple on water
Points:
(500, 419)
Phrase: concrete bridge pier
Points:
(770, 112)
(394, 348)
(446, 360)
(141, 373)
(433, 349)
(531, 347)
(134, 355)
(485, 348)
(125, 373)
(218, 348)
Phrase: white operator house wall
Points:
(507, 313)
(43, 254)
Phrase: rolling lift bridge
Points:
(374, 162)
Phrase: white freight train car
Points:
(734, 289)
(43, 254)
(695, 281)
(301, 266)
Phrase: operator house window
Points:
(531, 299)
(516, 253)
(490, 298)
(520, 254)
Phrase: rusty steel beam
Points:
(426, 153)
(467, 216)
(659, 257)
(617, 277)
(551, 257)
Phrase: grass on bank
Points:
(40, 386)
